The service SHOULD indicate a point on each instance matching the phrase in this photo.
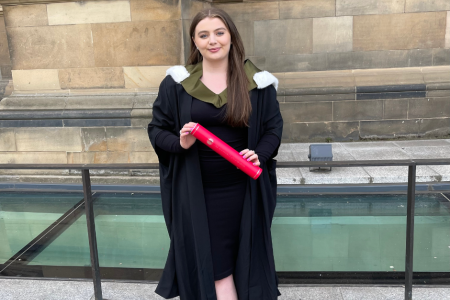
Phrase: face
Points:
(212, 39)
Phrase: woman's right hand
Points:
(186, 139)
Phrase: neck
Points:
(217, 67)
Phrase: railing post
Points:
(410, 231)
(89, 207)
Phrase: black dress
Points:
(224, 185)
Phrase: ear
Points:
(264, 79)
(178, 73)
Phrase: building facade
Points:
(79, 78)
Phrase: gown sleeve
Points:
(169, 142)
(266, 146)
(269, 143)
(162, 130)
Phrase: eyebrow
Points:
(214, 30)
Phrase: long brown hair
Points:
(239, 106)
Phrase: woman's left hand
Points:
(250, 155)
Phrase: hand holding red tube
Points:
(226, 151)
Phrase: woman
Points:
(218, 218)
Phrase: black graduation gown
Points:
(188, 271)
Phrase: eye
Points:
(203, 36)
(221, 33)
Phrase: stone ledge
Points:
(83, 100)
(31, 2)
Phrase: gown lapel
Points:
(198, 209)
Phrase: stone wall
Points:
(320, 35)
(85, 74)
(351, 105)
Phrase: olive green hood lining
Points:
(195, 87)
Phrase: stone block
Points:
(366, 7)
(367, 60)
(321, 79)
(185, 24)
(357, 110)
(32, 103)
(420, 5)
(93, 139)
(436, 75)
(144, 77)
(7, 140)
(438, 86)
(434, 127)
(281, 37)
(250, 11)
(306, 112)
(447, 31)
(146, 10)
(189, 8)
(48, 139)
(100, 102)
(144, 101)
(334, 34)
(420, 57)
(6, 71)
(51, 47)
(4, 50)
(35, 79)
(97, 157)
(307, 9)
(319, 132)
(297, 63)
(394, 76)
(85, 78)
(396, 109)
(33, 157)
(88, 12)
(429, 108)
(389, 32)
(314, 98)
(25, 15)
(286, 136)
(2, 22)
(140, 43)
(142, 113)
(438, 93)
(142, 123)
(441, 57)
(247, 34)
(389, 129)
(143, 158)
(127, 139)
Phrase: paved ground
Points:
(383, 150)
(21, 289)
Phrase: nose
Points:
(212, 40)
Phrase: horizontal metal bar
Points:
(288, 164)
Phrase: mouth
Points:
(214, 49)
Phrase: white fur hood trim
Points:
(178, 73)
(263, 79)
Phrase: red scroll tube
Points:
(225, 150)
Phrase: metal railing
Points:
(84, 168)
